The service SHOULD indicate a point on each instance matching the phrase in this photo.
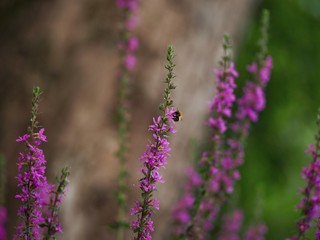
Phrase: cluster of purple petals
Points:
(225, 162)
(32, 181)
(220, 107)
(3, 220)
(310, 204)
(256, 232)
(224, 98)
(51, 200)
(232, 223)
(181, 212)
(253, 99)
(154, 158)
(130, 44)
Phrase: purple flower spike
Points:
(154, 158)
(133, 44)
(130, 62)
(310, 203)
(218, 167)
(31, 180)
(256, 232)
(231, 226)
(24, 138)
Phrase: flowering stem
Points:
(127, 45)
(52, 224)
(309, 203)
(201, 192)
(213, 180)
(155, 157)
(31, 177)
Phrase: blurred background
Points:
(275, 149)
(68, 48)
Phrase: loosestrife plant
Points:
(212, 181)
(154, 158)
(195, 212)
(231, 225)
(35, 191)
(127, 47)
(310, 203)
(31, 178)
(56, 193)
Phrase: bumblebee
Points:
(177, 116)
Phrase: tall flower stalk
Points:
(154, 158)
(51, 222)
(31, 177)
(39, 200)
(310, 203)
(194, 214)
(212, 182)
(127, 47)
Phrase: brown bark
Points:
(68, 48)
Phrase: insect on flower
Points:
(177, 116)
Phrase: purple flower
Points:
(131, 5)
(251, 103)
(217, 124)
(41, 136)
(256, 232)
(133, 43)
(130, 62)
(252, 68)
(31, 180)
(220, 108)
(121, 3)
(132, 22)
(231, 226)
(264, 73)
(24, 138)
(310, 203)
(154, 158)
(52, 197)
(195, 178)
(253, 99)
(228, 152)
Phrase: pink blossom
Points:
(130, 62)
(132, 22)
(133, 43)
